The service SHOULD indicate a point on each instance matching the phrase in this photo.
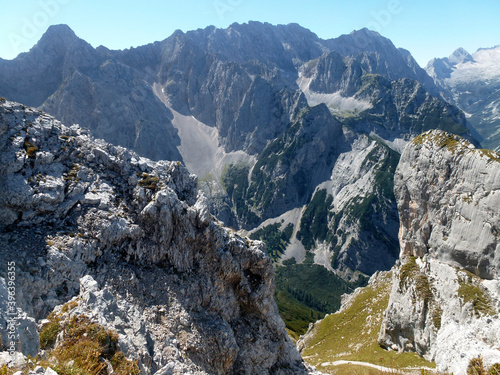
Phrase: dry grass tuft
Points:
(83, 347)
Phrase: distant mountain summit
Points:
(381, 56)
(33, 76)
(440, 69)
(460, 56)
(66, 76)
(58, 34)
(472, 83)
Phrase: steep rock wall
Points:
(445, 296)
(448, 197)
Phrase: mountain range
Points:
(293, 137)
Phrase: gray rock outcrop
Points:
(448, 196)
(136, 243)
(445, 298)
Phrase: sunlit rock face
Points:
(445, 296)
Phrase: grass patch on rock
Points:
(494, 156)
(410, 275)
(149, 182)
(78, 346)
(411, 278)
(476, 367)
(441, 139)
(352, 334)
(471, 291)
(49, 331)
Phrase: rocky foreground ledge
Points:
(132, 247)
(445, 298)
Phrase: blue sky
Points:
(427, 28)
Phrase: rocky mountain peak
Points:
(460, 56)
(358, 41)
(33, 76)
(61, 38)
(272, 45)
(378, 55)
(366, 33)
(61, 31)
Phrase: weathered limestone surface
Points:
(448, 197)
(445, 298)
(133, 240)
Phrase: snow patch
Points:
(485, 67)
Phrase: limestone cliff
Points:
(136, 244)
(448, 197)
(445, 296)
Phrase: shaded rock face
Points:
(363, 213)
(295, 163)
(9, 318)
(445, 296)
(403, 108)
(136, 243)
